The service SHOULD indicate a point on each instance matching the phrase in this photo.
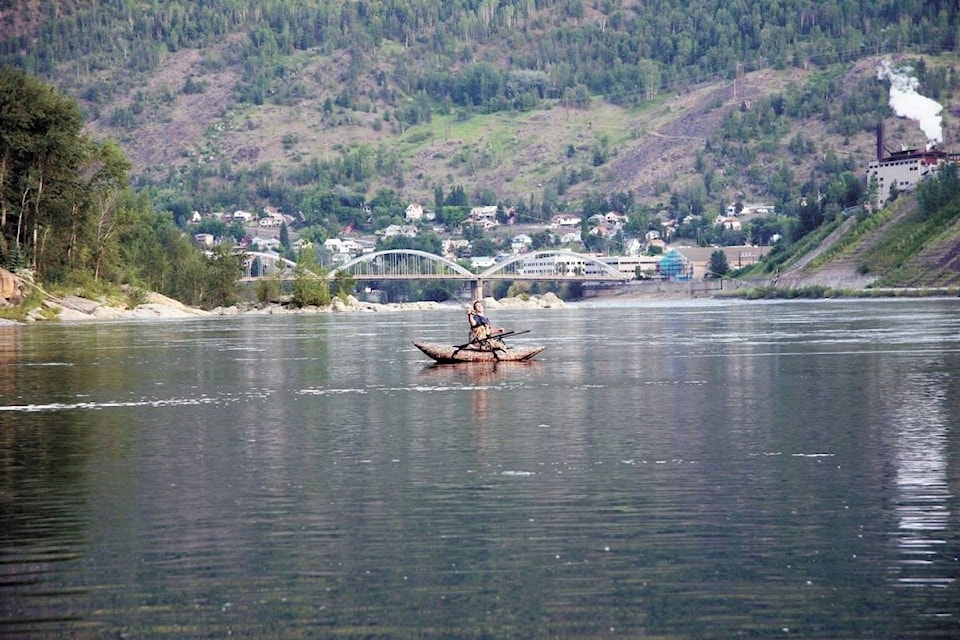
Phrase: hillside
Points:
(329, 108)
(860, 253)
(652, 147)
(516, 101)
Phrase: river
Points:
(695, 469)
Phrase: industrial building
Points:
(905, 168)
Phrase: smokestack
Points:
(881, 150)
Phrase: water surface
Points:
(693, 470)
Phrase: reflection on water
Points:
(922, 427)
(480, 380)
(710, 470)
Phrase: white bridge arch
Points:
(403, 264)
(412, 264)
(555, 264)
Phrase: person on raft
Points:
(481, 331)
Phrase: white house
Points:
(272, 217)
(520, 243)
(604, 230)
(727, 222)
(633, 247)
(482, 262)
(483, 213)
(204, 239)
(300, 244)
(265, 244)
(564, 220)
(267, 223)
(342, 245)
(348, 245)
(615, 218)
(242, 216)
(413, 212)
(394, 230)
(750, 209)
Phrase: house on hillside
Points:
(727, 222)
(604, 230)
(633, 247)
(272, 218)
(397, 230)
(346, 246)
(204, 239)
(264, 244)
(614, 218)
(453, 248)
(479, 214)
(269, 223)
(750, 209)
(478, 263)
(520, 243)
(300, 244)
(564, 220)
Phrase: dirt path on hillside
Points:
(843, 272)
(665, 152)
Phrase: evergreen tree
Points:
(718, 264)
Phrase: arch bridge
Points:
(546, 265)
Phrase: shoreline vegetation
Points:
(813, 292)
(154, 306)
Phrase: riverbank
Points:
(160, 307)
(74, 309)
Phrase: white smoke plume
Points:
(907, 103)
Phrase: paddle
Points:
(493, 337)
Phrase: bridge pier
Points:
(476, 289)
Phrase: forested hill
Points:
(321, 106)
(242, 83)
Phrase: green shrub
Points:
(310, 284)
(268, 289)
(136, 297)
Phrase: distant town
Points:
(270, 243)
(650, 256)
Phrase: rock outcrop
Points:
(10, 290)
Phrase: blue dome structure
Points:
(675, 266)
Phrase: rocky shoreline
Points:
(159, 307)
